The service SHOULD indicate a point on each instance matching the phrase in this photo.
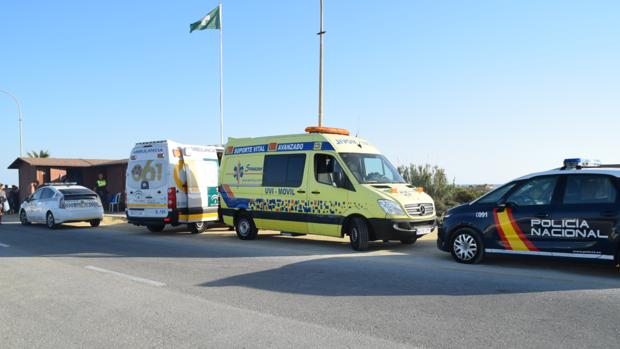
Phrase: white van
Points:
(172, 183)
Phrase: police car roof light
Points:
(52, 184)
(577, 163)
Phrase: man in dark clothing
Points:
(14, 199)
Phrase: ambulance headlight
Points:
(390, 207)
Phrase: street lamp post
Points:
(320, 34)
(19, 112)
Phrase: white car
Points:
(54, 204)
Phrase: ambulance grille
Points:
(420, 209)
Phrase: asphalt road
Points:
(119, 286)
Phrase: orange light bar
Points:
(420, 189)
(329, 130)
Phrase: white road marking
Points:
(4, 245)
(127, 276)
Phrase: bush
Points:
(435, 182)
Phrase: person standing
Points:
(102, 189)
(2, 201)
(14, 199)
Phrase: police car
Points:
(572, 211)
(57, 203)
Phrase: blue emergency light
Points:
(577, 163)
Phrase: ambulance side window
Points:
(535, 192)
(284, 170)
(589, 189)
(328, 171)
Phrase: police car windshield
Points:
(371, 168)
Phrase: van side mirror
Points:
(339, 179)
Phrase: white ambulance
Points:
(172, 183)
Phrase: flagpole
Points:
(221, 77)
(321, 32)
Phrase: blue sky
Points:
(489, 90)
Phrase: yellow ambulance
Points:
(323, 182)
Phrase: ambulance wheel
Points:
(155, 228)
(358, 234)
(466, 247)
(197, 228)
(50, 221)
(95, 223)
(408, 241)
(245, 227)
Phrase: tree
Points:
(39, 154)
(435, 183)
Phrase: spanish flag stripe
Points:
(500, 231)
(522, 236)
(511, 235)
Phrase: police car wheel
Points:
(358, 234)
(50, 221)
(197, 228)
(466, 247)
(155, 228)
(245, 228)
(95, 223)
(23, 219)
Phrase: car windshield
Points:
(371, 168)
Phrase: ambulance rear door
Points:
(201, 170)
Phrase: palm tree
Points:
(39, 154)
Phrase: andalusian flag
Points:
(210, 21)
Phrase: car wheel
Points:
(197, 228)
(155, 228)
(466, 247)
(408, 241)
(245, 227)
(358, 234)
(50, 221)
(95, 222)
(23, 219)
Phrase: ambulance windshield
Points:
(146, 174)
(371, 168)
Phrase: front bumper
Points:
(441, 243)
(399, 229)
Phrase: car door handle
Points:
(316, 192)
(542, 215)
(609, 214)
(301, 191)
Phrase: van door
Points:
(329, 189)
(202, 196)
(583, 223)
(147, 186)
(283, 206)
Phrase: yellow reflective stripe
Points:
(193, 216)
(146, 205)
(509, 231)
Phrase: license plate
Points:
(424, 230)
(136, 213)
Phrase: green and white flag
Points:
(210, 21)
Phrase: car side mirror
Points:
(504, 205)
